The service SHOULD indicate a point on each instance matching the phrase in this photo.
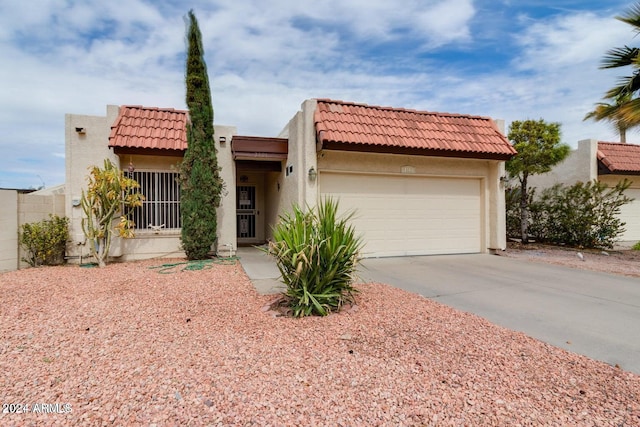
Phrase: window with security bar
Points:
(160, 209)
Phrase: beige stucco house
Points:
(608, 162)
(421, 182)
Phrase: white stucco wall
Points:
(9, 259)
(273, 187)
(580, 165)
(83, 150)
(227, 242)
(296, 187)
(613, 180)
(496, 209)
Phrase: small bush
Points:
(585, 215)
(45, 241)
(317, 255)
(581, 215)
(636, 247)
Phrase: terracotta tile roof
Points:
(150, 128)
(351, 125)
(619, 158)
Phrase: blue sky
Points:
(507, 59)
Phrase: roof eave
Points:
(148, 151)
(370, 148)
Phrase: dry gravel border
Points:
(620, 261)
(125, 345)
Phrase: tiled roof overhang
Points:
(149, 130)
(360, 127)
(618, 158)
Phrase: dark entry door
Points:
(246, 211)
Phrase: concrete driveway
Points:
(594, 314)
(590, 313)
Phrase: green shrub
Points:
(581, 215)
(317, 255)
(45, 241)
(201, 185)
(636, 247)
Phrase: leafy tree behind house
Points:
(539, 149)
(201, 184)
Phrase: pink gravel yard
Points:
(125, 345)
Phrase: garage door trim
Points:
(464, 213)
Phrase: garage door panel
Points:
(630, 213)
(398, 215)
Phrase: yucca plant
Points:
(317, 255)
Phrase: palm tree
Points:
(625, 56)
(616, 114)
(624, 113)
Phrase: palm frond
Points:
(626, 86)
(632, 17)
(631, 113)
(620, 57)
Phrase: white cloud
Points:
(437, 21)
(559, 60)
(266, 58)
(569, 41)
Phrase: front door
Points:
(246, 211)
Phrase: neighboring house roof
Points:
(20, 190)
(360, 127)
(58, 189)
(619, 158)
(153, 128)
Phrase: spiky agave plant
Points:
(317, 255)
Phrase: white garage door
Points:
(630, 213)
(404, 215)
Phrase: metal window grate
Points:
(161, 207)
(246, 211)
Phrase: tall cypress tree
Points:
(200, 179)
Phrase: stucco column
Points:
(226, 214)
(588, 151)
(497, 213)
(308, 155)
